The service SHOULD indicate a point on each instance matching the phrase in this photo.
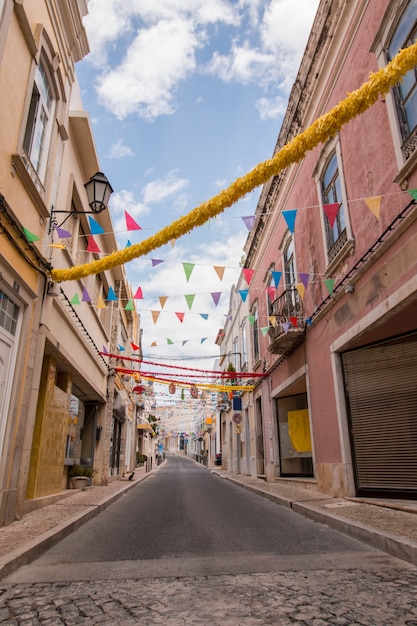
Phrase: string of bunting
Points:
(378, 84)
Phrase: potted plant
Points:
(80, 476)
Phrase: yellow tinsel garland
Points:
(326, 126)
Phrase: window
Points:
(289, 265)
(332, 194)
(8, 314)
(243, 341)
(39, 121)
(255, 334)
(405, 93)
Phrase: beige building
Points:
(61, 400)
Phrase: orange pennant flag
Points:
(374, 204)
(155, 316)
(301, 289)
(162, 300)
(219, 271)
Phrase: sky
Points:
(185, 96)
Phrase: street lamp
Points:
(98, 191)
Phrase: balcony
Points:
(289, 328)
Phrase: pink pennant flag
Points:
(138, 295)
(331, 211)
(216, 297)
(271, 293)
(92, 246)
(180, 316)
(130, 222)
(248, 274)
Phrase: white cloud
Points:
(118, 150)
(271, 108)
(163, 188)
(244, 65)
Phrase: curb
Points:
(36, 547)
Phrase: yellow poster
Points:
(299, 430)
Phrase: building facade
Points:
(335, 236)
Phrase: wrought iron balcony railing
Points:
(289, 327)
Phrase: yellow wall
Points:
(48, 449)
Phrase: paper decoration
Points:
(156, 262)
(111, 295)
(188, 268)
(153, 344)
(134, 346)
(331, 211)
(251, 319)
(286, 326)
(180, 316)
(130, 222)
(264, 330)
(58, 246)
(138, 295)
(216, 297)
(301, 289)
(309, 321)
(155, 316)
(304, 278)
(190, 299)
(249, 221)
(204, 316)
(289, 217)
(243, 293)
(219, 271)
(374, 204)
(162, 300)
(173, 242)
(184, 341)
(271, 291)
(413, 193)
(128, 243)
(169, 342)
(31, 237)
(329, 282)
(203, 340)
(273, 320)
(105, 351)
(95, 227)
(248, 274)
(294, 321)
(276, 277)
(62, 234)
(100, 303)
(92, 245)
(75, 299)
(130, 306)
(120, 348)
(85, 297)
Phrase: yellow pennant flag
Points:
(155, 315)
(273, 320)
(100, 303)
(301, 289)
(375, 205)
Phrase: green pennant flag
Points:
(76, 299)
(251, 319)
(190, 300)
(169, 341)
(329, 282)
(413, 193)
(264, 330)
(129, 306)
(31, 237)
(188, 268)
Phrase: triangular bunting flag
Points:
(75, 299)
(162, 300)
(62, 234)
(156, 262)
(153, 344)
(130, 306)
(100, 303)
(138, 295)
(95, 227)
(301, 289)
(184, 341)
(216, 297)
(105, 351)
(85, 297)
(169, 342)
(203, 339)
(413, 193)
(286, 326)
(304, 278)
(111, 295)
(57, 246)
(173, 242)
(276, 277)
(130, 222)
(329, 282)
(331, 211)
(134, 346)
(31, 237)
(273, 320)
(188, 268)
(248, 274)
(249, 221)
(180, 316)
(294, 321)
(289, 217)
(128, 243)
(204, 316)
(190, 299)
(243, 294)
(219, 271)
(271, 291)
(309, 321)
(92, 246)
(374, 204)
(121, 348)
(264, 330)
(155, 316)
(251, 319)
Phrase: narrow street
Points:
(186, 547)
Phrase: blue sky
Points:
(184, 97)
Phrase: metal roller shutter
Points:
(381, 389)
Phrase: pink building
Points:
(339, 406)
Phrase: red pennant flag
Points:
(92, 246)
(130, 222)
(331, 210)
(138, 295)
(134, 346)
(180, 316)
(271, 293)
(248, 274)
(294, 321)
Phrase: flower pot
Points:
(79, 482)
